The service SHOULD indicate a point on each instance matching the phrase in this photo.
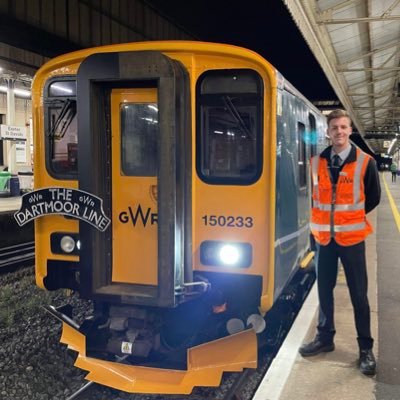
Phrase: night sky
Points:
(264, 26)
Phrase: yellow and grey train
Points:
(172, 186)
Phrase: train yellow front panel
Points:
(134, 189)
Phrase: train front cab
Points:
(178, 140)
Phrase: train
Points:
(172, 190)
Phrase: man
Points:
(345, 188)
(393, 170)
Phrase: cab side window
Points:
(61, 128)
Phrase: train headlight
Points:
(67, 244)
(227, 254)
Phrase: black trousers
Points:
(355, 268)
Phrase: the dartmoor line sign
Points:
(75, 203)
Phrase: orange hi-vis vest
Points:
(338, 210)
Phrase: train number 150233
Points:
(229, 221)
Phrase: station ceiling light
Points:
(18, 92)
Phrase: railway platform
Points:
(13, 236)
(336, 375)
(10, 204)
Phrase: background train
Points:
(172, 181)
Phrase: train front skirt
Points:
(206, 364)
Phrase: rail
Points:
(16, 255)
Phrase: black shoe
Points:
(315, 347)
(367, 362)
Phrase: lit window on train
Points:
(302, 155)
(61, 129)
(229, 126)
(139, 131)
(62, 89)
(313, 134)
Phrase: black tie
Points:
(335, 168)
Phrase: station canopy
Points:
(357, 44)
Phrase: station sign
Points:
(386, 144)
(10, 132)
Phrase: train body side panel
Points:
(300, 130)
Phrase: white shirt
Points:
(342, 155)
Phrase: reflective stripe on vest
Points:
(338, 228)
(314, 171)
(339, 207)
(357, 176)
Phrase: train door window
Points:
(139, 128)
(313, 134)
(61, 128)
(229, 126)
(302, 154)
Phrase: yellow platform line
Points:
(306, 260)
(395, 210)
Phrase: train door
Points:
(135, 154)
(134, 134)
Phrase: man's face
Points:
(339, 130)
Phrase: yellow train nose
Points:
(206, 364)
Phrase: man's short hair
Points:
(338, 114)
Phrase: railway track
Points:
(15, 256)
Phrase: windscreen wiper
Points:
(236, 115)
(64, 119)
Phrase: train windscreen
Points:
(229, 128)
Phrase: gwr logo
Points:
(345, 179)
(138, 215)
